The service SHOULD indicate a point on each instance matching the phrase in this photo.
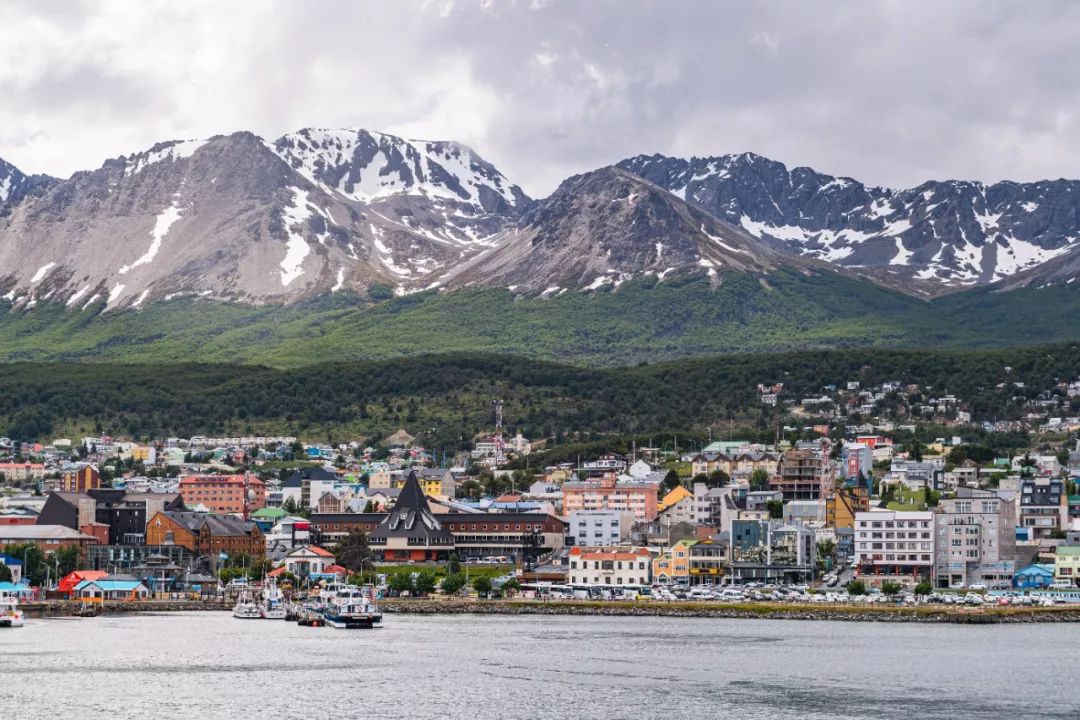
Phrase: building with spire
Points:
(410, 532)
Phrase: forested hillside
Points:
(446, 399)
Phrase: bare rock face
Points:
(605, 227)
(939, 236)
(235, 217)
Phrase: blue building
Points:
(1034, 577)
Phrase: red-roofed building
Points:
(311, 560)
(609, 566)
(68, 582)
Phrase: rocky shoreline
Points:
(759, 611)
(756, 611)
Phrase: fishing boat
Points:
(352, 607)
(272, 603)
(246, 608)
(10, 614)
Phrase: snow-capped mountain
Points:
(948, 235)
(241, 218)
(599, 229)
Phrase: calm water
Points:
(210, 665)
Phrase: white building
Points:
(608, 566)
(894, 545)
(598, 528)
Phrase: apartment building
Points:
(1043, 506)
(975, 540)
(598, 528)
(894, 545)
(638, 497)
(803, 474)
(608, 566)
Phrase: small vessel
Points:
(310, 618)
(246, 608)
(351, 607)
(10, 614)
(272, 603)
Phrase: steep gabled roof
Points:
(412, 518)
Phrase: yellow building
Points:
(842, 504)
(674, 565)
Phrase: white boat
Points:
(272, 602)
(351, 607)
(246, 608)
(10, 614)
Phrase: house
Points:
(14, 566)
(437, 482)
(69, 582)
(85, 477)
(677, 506)
(1067, 565)
(607, 567)
(1034, 577)
(205, 534)
(111, 588)
(306, 485)
(309, 562)
(673, 565)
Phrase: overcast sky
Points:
(891, 93)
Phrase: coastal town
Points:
(844, 513)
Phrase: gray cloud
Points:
(890, 92)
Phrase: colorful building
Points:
(232, 494)
(1067, 565)
(673, 565)
(608, 566)
(609, 493)
(86, 477)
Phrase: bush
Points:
(924, 588)
(452, 584)
(856, 587)
(890, 588)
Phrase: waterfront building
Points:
(975, 540)
(608, 566)
(1034, 577)
(410, 531)
(673, 564)
(772, 550)
(894, 545)
(706, 562)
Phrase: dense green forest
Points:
(644, 320)
(446, 399)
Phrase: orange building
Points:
(231, 494)
(634, 496)
(85, 478)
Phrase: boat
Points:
(272, 603)
(246, 608)
(310, 617)
(10, 614)
(351, 607)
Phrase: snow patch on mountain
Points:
(162, 224)
(295, 215)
